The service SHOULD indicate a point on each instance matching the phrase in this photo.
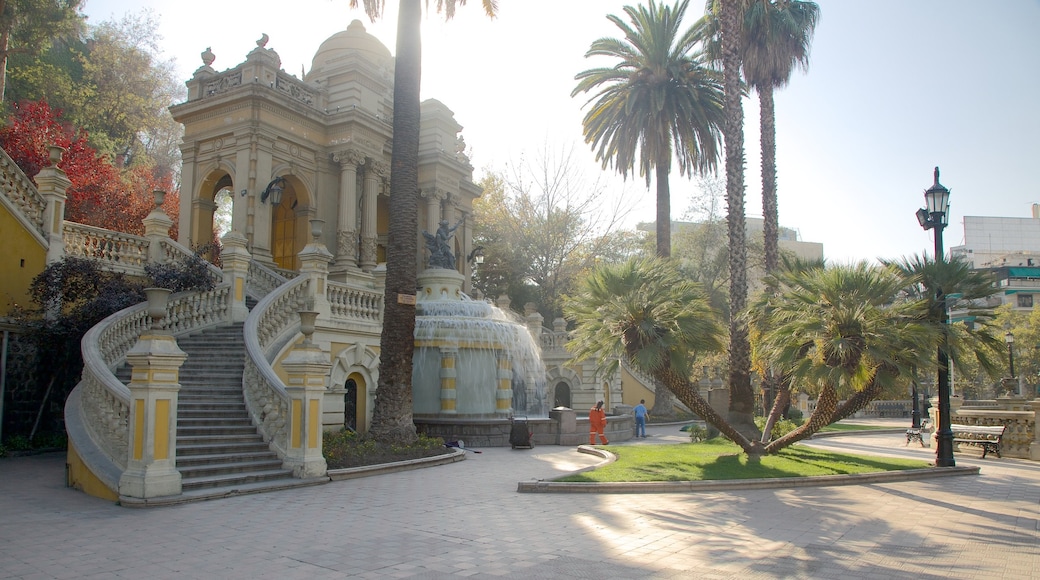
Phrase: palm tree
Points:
(777, 36)
(656, 103)
(392, 415)
(846, 332)
(973, 336)
(741, 396)
(643, 312)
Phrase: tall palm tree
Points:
(741, 395)
(392, 415)
(657, 103)
(777, 36)
(647, 314)
(846, 332)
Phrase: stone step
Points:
(216, 439)
(185, 422)
(228, 468)
(268, 476)
(257, 446)
(211, 430)
(215, 410)
(227, 461)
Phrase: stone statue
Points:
(439, 245)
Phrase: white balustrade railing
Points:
(354, 303)
(20, 191)
(119, 252)
(106, 400)
(263, 280)
(174, 252)
(554, 342)
(272, 322)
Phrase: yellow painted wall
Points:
(21, 259)
(81, 478)
(632, 390)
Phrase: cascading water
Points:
(472, 359)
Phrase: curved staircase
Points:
(219, 451)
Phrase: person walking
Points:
(597, 422)
(641, 416)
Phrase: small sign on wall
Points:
(406, 299)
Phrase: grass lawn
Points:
(719, 459)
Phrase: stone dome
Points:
(348, 42)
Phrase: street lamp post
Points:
(1009, 338)
(935, 216)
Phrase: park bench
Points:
(987, 437)
(917, 433)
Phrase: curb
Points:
(384, 468)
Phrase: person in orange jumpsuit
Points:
(597, 422)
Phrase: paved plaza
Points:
(466, 520)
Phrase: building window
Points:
(1025, 300)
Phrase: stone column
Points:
(504, 393)
(449, 356)
(52, 182)
(314, 264)
(307, 368)
(151, 463)
(235, 258)
(374, 172)
(433, 209)
(1034, 447)
(157, 228)
(346, 234)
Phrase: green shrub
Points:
(348, 448)
(780, 428)
(697, 433)
(795, 415)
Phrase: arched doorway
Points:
(562, 395)
(350, 404)
(284, 231)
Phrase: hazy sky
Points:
(894, 88)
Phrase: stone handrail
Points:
(553, 341)
(105, 399)
(354, 303)
(173, 252)
(21, 192)
(1020, 432)
(119, 252)
(262, 280)
(272, 322)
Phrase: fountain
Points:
(475, 365)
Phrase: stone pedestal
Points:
(235, 258)
(308, 370)
(151, 465)
(1034, 447)
(567, 426)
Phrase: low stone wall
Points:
(562, 427)
(1021, 438)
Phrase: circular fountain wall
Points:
(475, 365)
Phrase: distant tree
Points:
(27, 26)
(656, 104)
(541, 226)
(100, 194)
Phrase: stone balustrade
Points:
(353, 303)
(172, 251)
(269, 327)
(263, 280)
(117, 251)
(1019, 435)
(20, 191)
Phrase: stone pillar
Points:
(449, 356)
(374, 171)
(534, 321)
(1034, 447)
(157, 228)
(566, 426)
(151, 463)
(347, 235)
(235, 258)
(433, 209)
(504, 393)
(314, 264)
(307, 368)
(52, 182)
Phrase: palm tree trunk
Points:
(686, 393)
(770, 218)
(823, 415)
(392, 415)
(782, 388)
(664, 211)
(741, 396)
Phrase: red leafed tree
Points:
(101, 194)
